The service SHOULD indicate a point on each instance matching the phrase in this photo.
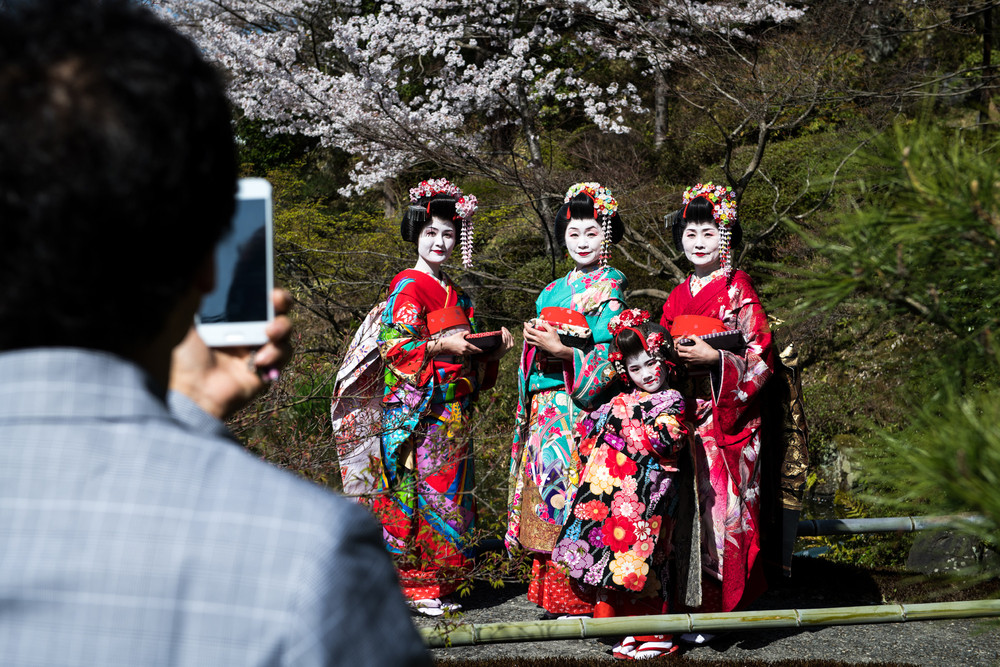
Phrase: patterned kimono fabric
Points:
(618, 534)
(545, 461)
(727, 417)
(427, 507)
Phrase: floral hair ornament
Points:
(652, 343)
(465, 207)
(723, 201)
(605, 207)
(627, 319)
(654, 340)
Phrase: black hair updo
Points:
(700, 210)
(628, 343)
(419, 215)
(581, 207)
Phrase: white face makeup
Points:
(583, 241)
(648, 373)
(436, 241)
(701, 246)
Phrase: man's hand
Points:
(221, 380)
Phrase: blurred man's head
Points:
(117, 172)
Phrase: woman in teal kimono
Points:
(558, 385)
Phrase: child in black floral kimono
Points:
(618, 534)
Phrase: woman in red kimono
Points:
(727, 388)
(432, 379)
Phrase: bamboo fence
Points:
(891, 524)
(445, 635)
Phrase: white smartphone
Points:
(237, 311)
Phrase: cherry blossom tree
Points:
(458, 84)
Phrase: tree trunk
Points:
(390, 203)
(987, 80)
(662, 109)
(547, 206)
(528, 126)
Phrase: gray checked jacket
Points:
(131, 534)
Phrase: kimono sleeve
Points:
(589, 428)
(740, 377)
(403, 337)
(593, 375)
(668, 433)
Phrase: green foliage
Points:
(921, 251)
(924, 239)
(949, 459)
(290, 425)
(260, 152)
(336, 264)
(873, 551)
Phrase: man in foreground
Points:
(132, 533)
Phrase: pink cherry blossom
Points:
(391, 83)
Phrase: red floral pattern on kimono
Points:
(727, 416)
(616, 535)
(426, 504)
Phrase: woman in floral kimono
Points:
(427, 506)
(638, 476)
(727, 387)
(558, 385)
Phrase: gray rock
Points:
(943, 551)
(834, 473)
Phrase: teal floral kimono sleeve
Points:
(593, 379)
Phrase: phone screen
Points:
(240, 293)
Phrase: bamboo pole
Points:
(891, 524)
(445, 636)
(818, 527)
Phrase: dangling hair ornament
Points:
(605, 206)
(465, 208)
(723, 212)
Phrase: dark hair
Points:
(419, 216)
(114, 133)
(628, 343)
(581, 207)
(700, 210)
